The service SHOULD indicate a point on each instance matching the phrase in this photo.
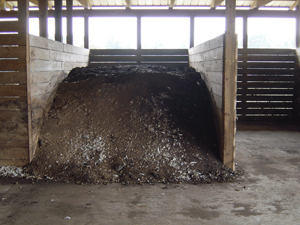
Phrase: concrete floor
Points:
(268, 193)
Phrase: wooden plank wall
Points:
(50, 63)
(266, 81)
(297, 86)
(14, 140)
(164, 57)
(207, 58)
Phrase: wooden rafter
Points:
(259, 3)
(85, 3)
(297, 2)
(216, 3)
(172, 3)
(36, 2)
(128, 3)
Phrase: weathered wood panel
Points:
(266, 84)
(50, 62)
(207, 58)
(165, 57)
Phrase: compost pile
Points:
(130, 124)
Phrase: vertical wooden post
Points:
(139, 38)
(23, 19)
(70, 22)
(86, 29)
(229, 86)
(192, 31)
(245, 32)
(58, 20)
(43, 18)
(298, 28)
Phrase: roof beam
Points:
(259, 3)
(36, 2)
(216, 3)
(128, 3)
(294, 4)
(172, 3)
(85, 3)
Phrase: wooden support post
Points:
(192, 31)
(43, 18)
(229, 86)
(298, 28)
(70, 22)
(58, 20)
(23, 19)
(86, 29)
(139, 38)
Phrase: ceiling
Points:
(185, 4)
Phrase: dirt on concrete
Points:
(130, 124)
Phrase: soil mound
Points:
(130, 124)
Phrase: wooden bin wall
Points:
(163, 57)
(216, 61)
(50, 63)
(297, 86)
(266, 84)
(14, 139)
(31, 68)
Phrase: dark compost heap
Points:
(130, 124)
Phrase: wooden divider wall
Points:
(216, 60)
(50, 63)
(207, 59)
(14, 130)
(297, 86)
(266, 82)
(164, 57)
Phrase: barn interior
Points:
(253, 88)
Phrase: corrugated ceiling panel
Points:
(280, 3)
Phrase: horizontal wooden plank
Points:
(13, 65)
(213, 54)
(278, 58)
(13, 162)
(265, 85)
(13, 116)
(37, 65)
(266, 71)
(13, 128)
(267, 78)
(112, 58)
(266, 91)
(14, 153)
(266, 111)
(13, 78)
(10, 26)
(164, 58)
(39, 53)
(267, 98)
(113, 52)
(164, 52)
(13, 52)
(206, 46)
(267, 65)
(264, 104)
(13, 39)
(75, 50)
(14, 141)
(265, 51)
(140, 52)
(126, 63)
(13, 90)
(45, 43)
(9, 104)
